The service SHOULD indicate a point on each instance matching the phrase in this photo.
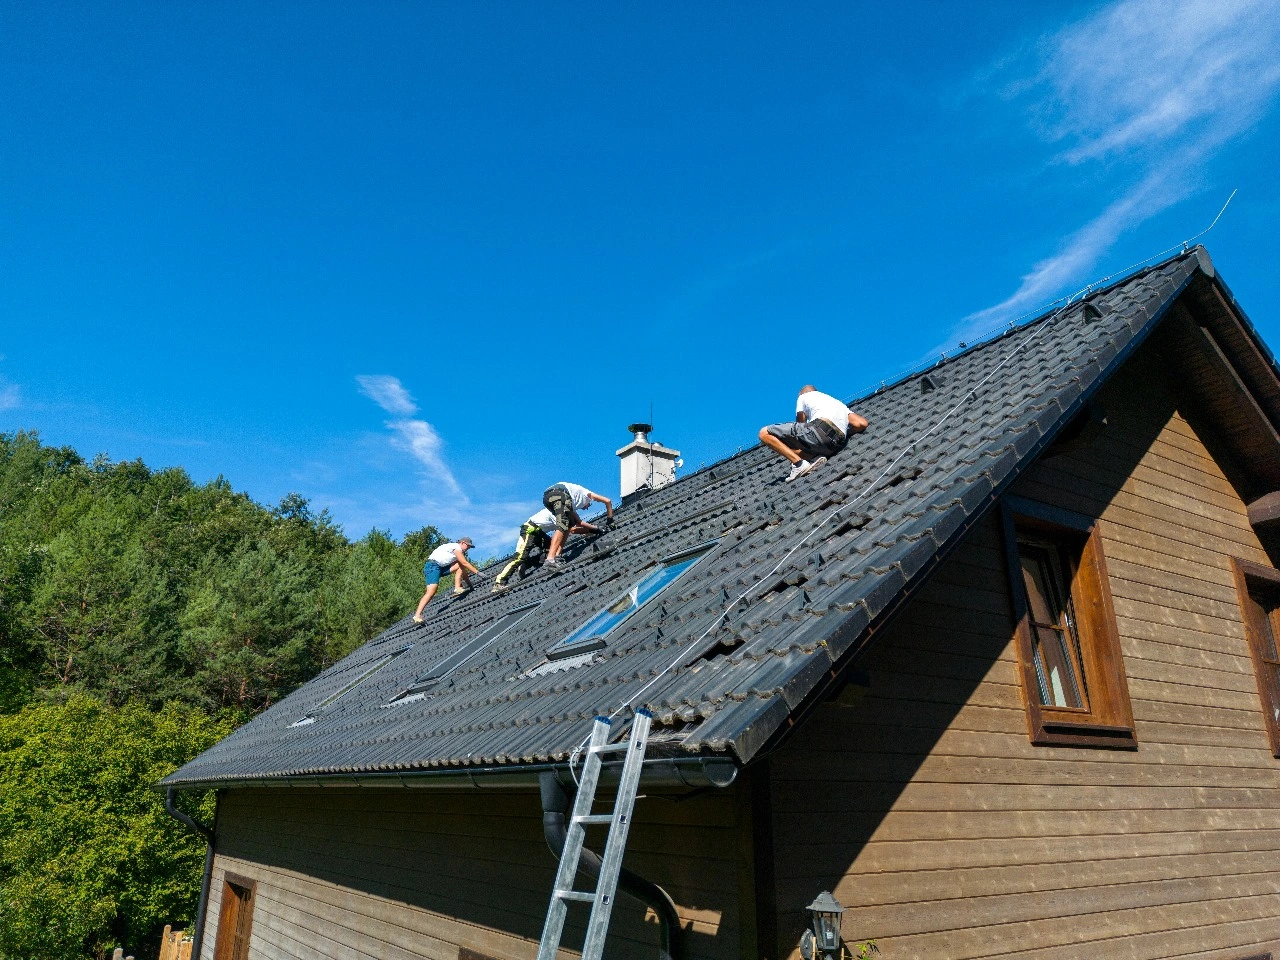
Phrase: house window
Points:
(431, 678)
(1071, 670)
(1259, 591)
(235, 919)
(591, 635)
(342, 691)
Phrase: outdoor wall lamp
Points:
(823, 942)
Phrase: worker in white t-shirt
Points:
(821, 429)
(535, 535)
(564, 500)
(445, 559)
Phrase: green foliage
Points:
(135, 608)
(130, 584)
(88, 857)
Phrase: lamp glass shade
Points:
(826, 912)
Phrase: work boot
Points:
(500, 587)
(553, 562)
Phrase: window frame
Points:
(1266, 672)
(237, 910)
(312, 715)
(561, 649)
(1106, 720)
(430, 679)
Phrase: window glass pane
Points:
(1053, 637)
(438, 671)
(1034, 575)
(1270, 619)
(628, 603)
(1055, 669)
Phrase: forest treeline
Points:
(142, 617)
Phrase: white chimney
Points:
(646, 466)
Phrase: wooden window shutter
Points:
(1258, 588)
(1071, 669)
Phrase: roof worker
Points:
(535, 538)
(564, 500)
(445, 559)
(821, 429)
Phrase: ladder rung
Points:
(621, 747)
(595, 818)
(576, 895)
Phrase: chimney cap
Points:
(640, 427)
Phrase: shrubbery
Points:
(141, 617)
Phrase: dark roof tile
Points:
(798, 573)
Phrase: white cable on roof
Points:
(1066, 301)
(1026, 341)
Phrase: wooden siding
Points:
(927, 811)
(396, 874)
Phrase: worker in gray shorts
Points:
(821, 429)
(564, 500)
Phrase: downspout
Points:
(555, 804)
(197, 937)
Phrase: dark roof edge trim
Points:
(768, 741)
(690, 772)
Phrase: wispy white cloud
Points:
(421, 441)
(1155, 87)
(10, 396)
(1141, 73)
(415, 437)
(388, 393)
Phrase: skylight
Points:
(343, 691)
(591, 635)
(428, 680)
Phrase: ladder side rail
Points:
(571, 854)
(616, 844)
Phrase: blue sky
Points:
(419, 261)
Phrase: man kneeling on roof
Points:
(445, 559)
(535, 537)
(564, 500)
(821, 429)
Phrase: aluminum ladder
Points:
(601, 899)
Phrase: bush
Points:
(88, 857)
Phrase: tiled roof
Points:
(817, 566)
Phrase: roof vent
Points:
(1091, 312)
(646, 466)
(930, 382)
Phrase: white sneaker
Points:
(803, 467)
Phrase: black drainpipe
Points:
(555, 804)
(197, 937)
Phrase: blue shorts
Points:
(432, 572)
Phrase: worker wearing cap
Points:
(821, 429)
(564, 500)
(445, 559)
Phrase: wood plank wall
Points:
(949, 835)
(396, 874)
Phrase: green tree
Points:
(88, 857)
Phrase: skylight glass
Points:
(429, 679)
(343, 691)
(591, 635)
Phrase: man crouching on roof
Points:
(564, 500)
(445, 559)
(821, 429)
